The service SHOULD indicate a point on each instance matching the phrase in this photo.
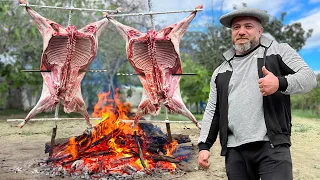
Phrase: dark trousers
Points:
(257, 160)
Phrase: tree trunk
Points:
(197, 107)
(15, 98)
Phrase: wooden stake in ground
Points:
(54, 131)
(168, 126)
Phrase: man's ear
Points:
(261, 30)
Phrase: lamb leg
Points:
(176, 105)
(46, 103)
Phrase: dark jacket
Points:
(294, 77)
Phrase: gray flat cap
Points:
(226, 19)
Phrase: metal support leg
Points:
(168, 125)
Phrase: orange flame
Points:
(112, 143)
(72, 148)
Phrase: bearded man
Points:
(249, 101)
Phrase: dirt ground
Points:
(22, 149)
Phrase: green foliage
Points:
(309, 101)
(207, 47)
(305, 114)
(194, 88)
(293, 34)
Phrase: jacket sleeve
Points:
(299, 78)
(210, 120)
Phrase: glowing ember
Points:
(112, 146)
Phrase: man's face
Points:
(246, 32)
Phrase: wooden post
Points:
(168, 126)
(54, 130)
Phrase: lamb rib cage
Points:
(156, 56)
(67, 54)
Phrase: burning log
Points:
(123, 160)
(82, 152)
(181, 138)
(163, 158)
(58, 159)
(88, 155)
(153, 148)
(140, 151)
(103, 139)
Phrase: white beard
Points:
(242, 48)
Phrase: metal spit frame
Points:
(114, 13)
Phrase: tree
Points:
(309, 101)
(293, 34)
(195, 88)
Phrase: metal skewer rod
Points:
(110, 11)
(153, 13)
(93, 70)
(69, 8)
(90, 70)
(104, 70)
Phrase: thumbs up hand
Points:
(269, 84)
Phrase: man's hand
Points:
(268, 84)
(203, 159)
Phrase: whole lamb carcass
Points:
(67, 54)
(155, 55)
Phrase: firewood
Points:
(159, 157)
(181, 138)
(140, 151)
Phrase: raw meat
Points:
(155, 55)
(67, 53)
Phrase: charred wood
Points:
(129, 169)
(140, 151)
(105, 138)
(163, 158)
(181, 138)
(57, 142)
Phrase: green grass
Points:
(304, 114)
(8, 112)
(301, 127)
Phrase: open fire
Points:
(114, 147)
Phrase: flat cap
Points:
(226, 19)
